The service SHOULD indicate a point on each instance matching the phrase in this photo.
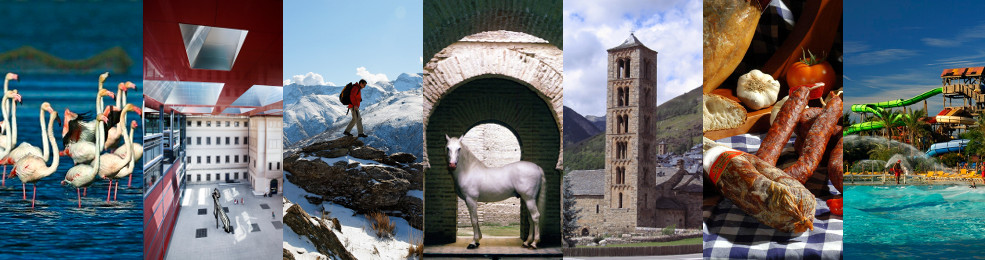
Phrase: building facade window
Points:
(208, 123)
(227, 159)
(208, 140)
(198, 140)
(227, 140)
(198, 159)
(208, 159)
(236, 140)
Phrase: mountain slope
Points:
(391, 111)
(577, 127)
(678, 125)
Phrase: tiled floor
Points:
(256, 234)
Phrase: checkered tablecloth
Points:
(731, 233)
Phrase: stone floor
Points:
(256, 235)
(491, 247)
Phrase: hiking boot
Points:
(363, 135)
(347, 134)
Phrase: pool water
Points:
(57, 228)
(940, 221)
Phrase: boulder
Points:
(367, 153)
(343, 142)
(403, 157)
(288, 255)
(320, 235)
(332, 153)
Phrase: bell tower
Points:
(629, 136)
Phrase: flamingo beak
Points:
(12, 76)
(111, 95)
(138, 110)
(130, 85)
(17, 97)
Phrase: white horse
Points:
(477, 183)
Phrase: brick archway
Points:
(449, 21)
(468, 84)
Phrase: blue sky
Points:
(328, 41)
(672, 28)
(897, 51)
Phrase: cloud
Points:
(880, 57)
(370, 77)
(672, 28)
(309, 79)
(940, 42)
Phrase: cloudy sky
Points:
(328, 42)
(672, 28)
(899, 51)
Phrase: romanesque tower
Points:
(629, 136)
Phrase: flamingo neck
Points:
(54, 147)
(6, 123)
(44, 136)
(100, 125)
(13, 118)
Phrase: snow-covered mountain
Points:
(392, 114)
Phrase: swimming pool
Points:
(939, 221)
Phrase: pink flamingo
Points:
(138, 150)
(127, 170)
(116, 131)
(32, 169)
(83, 175)
(6, 141)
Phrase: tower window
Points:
(620, 200)
(628, 65)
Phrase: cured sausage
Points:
(760, 189)
(817, 139)
(804, 126)
(835, 156)
(783, 126)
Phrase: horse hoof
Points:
(473, 246)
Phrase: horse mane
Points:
(466, 155)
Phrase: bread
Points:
(729, 26)
(722, 113)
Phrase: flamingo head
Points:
(102, 77)
(16, 97)
(12, 76)
(129, 85)
(103, 118)
(133, 124)
(47, 107)
(105, 92)
(131, 107)
(107, 110)
(69, 116)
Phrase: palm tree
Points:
(887, 118)
(916, 129)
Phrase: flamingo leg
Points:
(84, 190)
(130, 181)
(24, 191)
(109, 190)
(34, 195)
(4, 181)
(116, 190)
(80, 197)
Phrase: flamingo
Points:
(110, 165)
(76, 146)
(24, 150)
(6, 140)
(32, 168)
(138, 150)
(116, 131)
(77, 128)
(128, 169)
(82, 175)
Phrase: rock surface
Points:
(363, 188)
(320, 234)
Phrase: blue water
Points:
(57, 228)
(914, 222)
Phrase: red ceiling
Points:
(260, 60)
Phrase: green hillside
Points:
(678, 124)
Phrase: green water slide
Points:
(877, 109)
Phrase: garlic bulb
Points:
(757, 90)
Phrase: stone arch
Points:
(450, 21)
(470, 83)
(584, 232)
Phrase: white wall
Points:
(208, 141)
(266, 135)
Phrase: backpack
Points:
(346, 92)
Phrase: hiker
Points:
(353, 98)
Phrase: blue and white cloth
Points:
(731, 233)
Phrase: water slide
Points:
(947, 147)
(877, 109)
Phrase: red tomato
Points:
(808, 71)
(835, 205)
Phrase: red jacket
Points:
(355, 96)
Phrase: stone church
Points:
(630, 193)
